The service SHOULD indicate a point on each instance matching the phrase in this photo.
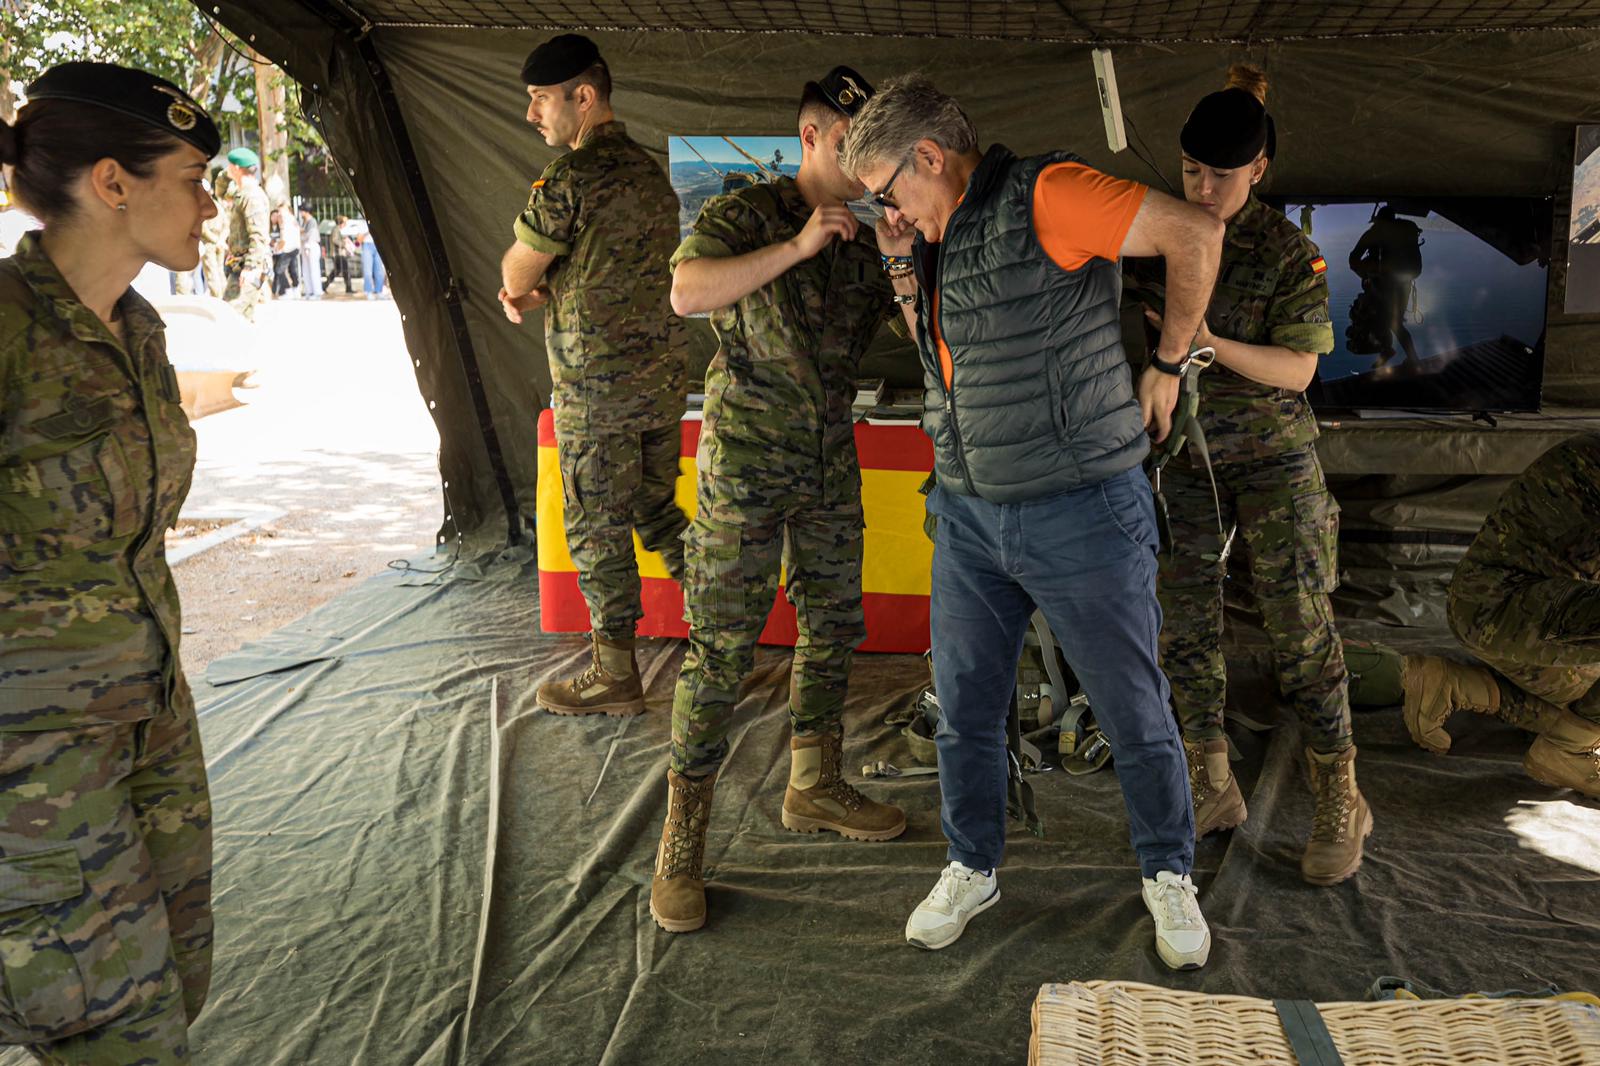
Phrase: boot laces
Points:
(686, 835)
(594, 673)
(1199, 780)
(1332, 819)
(832, 781)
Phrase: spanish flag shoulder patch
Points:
(1319, 265)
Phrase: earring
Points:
(122, 207)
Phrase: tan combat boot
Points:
(609, 685)
(678, 889)
(1343, 820)
(819, 797)
(1435, 689)
(1218, 803)
(1566, 754)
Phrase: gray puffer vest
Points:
(1041, 399)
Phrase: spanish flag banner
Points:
(895, 571)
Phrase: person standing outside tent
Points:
(796, 290)
(310, 254)
(591, 250)
(285, 241)
(249, 241)
(372, 273)
(1268, 322)
(340, 247)
(214, 244)
(1041, 501)
(105, 816)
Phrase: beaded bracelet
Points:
(896, 262)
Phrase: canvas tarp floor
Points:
(415, 865)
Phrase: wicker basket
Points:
(1120, 1023)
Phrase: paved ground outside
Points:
(338, 439)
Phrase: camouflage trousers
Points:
(1541, 636)
(245, 296)
(105, 891)
(1288, 524)
(728, 590)
(613, 484)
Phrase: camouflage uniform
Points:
(1526, 599)
(778, 475)
(618, 362)
(249, 248)
(1262, 445)
(105, 818)
(214, 253)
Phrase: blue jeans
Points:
(371, 267)
(1087, 559)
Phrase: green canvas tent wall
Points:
(422, 106)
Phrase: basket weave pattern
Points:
(1121, 1023)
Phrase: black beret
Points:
(846, 90)
(133, 93)
(1229, 129)
(559, 59)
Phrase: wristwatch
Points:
(1175, 369)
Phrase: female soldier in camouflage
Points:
(1268, 322)
(105, 819)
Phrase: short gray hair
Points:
(906, 110)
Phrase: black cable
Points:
(1145, 157)
(216, 28)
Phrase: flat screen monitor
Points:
(1438, 304)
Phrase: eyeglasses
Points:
(885, 198)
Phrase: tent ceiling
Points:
(1105, 20)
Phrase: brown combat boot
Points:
(1218, 803)
(1566, 754)
(678, 889)
(609, 685)
(1343, 820)
(1435, 689)
(819, 797)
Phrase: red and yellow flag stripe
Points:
(895, 568)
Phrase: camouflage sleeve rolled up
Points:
(1297, 317)
(549, 224)
(727, 225)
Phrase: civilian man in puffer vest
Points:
(1038, 440)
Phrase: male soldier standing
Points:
(796, 292)
(592, 246)
(1526, 602)
(249, 244)
(214, 243)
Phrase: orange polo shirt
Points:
(1079, 214)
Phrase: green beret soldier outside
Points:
(249, 259)
(591, 251)
(105, 817)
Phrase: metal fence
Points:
(328, 208)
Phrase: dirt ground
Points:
(334, 456)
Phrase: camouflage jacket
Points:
(779, 390)
(1272, 288)
(96, 457)
(618, 355)
(249, 229)
(1546, 525)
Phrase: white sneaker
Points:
(1182, 939)
(960, 893)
